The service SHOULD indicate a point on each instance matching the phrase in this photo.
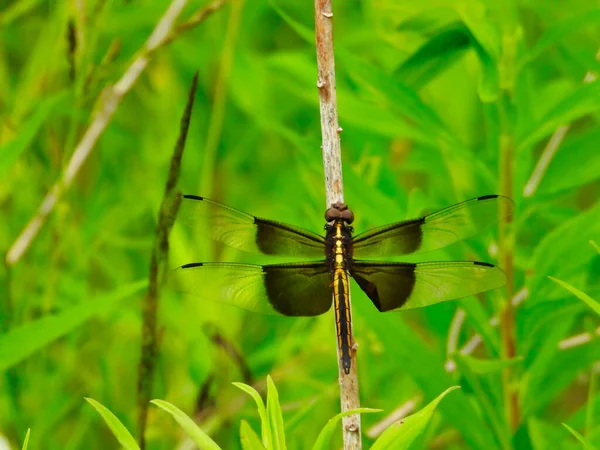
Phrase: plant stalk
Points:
(332, 165)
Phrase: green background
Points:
(431, 94)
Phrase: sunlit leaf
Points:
(267, 434)
(250, 440)
(406, 433)
(26, 441)
(200, 438)
(593, 304)
(274, 415)
(324, 440)
(580, 438)
(116, 427)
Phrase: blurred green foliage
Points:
(431, 93)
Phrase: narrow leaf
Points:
(580, 295)
(18, 344)
(274, 415)
(403, 434)
(324, 439)
(200, 438)
(267, 436)
(26, 442)
(580, 438)
(487, 366)
(249, 438)
(27, 131)
(583, 100)
(116, 427)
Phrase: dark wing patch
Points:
(403, 285)
(296, 289)
(245, 232)
(433, 231)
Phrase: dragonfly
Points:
(311, 286)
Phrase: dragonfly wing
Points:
(403, 285)
(296, 289)
(435, 230)
(246, 232)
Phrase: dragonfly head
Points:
(339, 210)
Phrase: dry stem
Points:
(332, 163)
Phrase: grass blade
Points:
(323, 442)
(118, 429)
(267, 436)
(404, 434)
(200, 438)
(579, 294)
(21, 342)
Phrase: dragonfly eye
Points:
(332, 213)
(348, 216)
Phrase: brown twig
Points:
(108, 102)
(332, 163)
(158, 257)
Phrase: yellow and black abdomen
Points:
(339, 257)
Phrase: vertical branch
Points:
(332, 164)
(158, 257)
(507, 318)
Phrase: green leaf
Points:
(539, 383)
(388, 90)
(18, 344)
(544, 435)
(304, 32)
(583, 100)
(116, 427)
(425, 367)
(11, 150)
(200, 438)
(580, 438)
(580, 295)
(274, 415)
(485, 40)
(561, 29)
(435, 56)
(557, 246)
(267, 436)
(595, 245)
(488, 399)
(488, 366)
(405, 433)
(575, 163)
(26, 442)
(249, 438)
(323, 441)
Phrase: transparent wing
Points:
(403, 285)
(435, 230)
(296, 289)
(246, 232)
